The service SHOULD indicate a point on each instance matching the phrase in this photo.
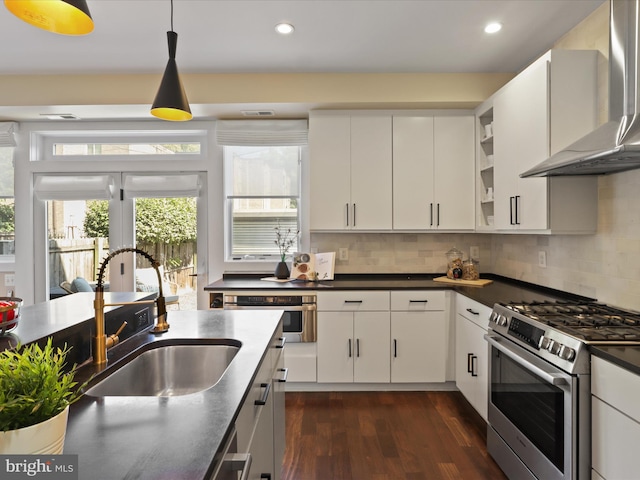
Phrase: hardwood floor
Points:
(385, 436)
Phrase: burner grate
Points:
(590, 321)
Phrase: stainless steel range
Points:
(539, 384)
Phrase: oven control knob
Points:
(544, 343)
(554, 347)
(493, 317)
(566, 353)
(502, 320)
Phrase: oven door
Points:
(532, 414)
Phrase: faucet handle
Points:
(114, 339)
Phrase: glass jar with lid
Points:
(454, 263)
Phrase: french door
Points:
(87, 216)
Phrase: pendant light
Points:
(67, 17)
(171, 102)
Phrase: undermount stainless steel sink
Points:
(165, 370)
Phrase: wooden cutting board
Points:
(481, 282)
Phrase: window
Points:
(7, 203)
(66, 149)
(105, 145)
(262, 186)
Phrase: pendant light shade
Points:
(171, 101)
(67, 17)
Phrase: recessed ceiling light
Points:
(284, 28)
(493, 27)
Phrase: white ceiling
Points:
(238, 36)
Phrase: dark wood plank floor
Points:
(385, 436)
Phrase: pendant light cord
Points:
(172, 15)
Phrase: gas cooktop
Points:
(589, 322)
(559, 332)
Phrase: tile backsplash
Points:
(400, 252)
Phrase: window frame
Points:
(7, 262)
(228, 210)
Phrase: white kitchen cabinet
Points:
(433, 172)
(472, 321)
(350, 172)
(260, 424)
(353, 337)
(615, 415)
(418, 336)
(542, 110)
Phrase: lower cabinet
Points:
(353, 337)
(418, 336)
(382, 336)
(353, 347)
(615, 416)
(472, 320)
(260, 425)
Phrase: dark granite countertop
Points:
(169, 437)
(502, 289)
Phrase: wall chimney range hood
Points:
(614, 146)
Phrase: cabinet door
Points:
(371, 333)
(615, 439)
(279, 420)
(454, 172)
(479, 368)
(464, 380)
(330, 147)
(262, 444)
(335, 347)
(472, 364)
(418, 347)
(521, 140)
(413, 158)
(533, 134)
(371, 173)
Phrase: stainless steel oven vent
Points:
(614, 146)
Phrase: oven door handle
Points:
(548, 377)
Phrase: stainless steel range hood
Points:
(614, 146)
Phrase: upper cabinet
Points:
(350, 172)
(378, 172)
(433, 172)
(545, 108)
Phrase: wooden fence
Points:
(71, 258)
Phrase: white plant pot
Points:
(43, 438)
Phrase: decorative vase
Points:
(43, 438)
(282, 271)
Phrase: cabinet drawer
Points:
(616, 386)
(418, 300)
(356, 301)
(473, 311)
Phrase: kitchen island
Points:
(176, 436)
(162, 437)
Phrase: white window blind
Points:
(77, 187)
(262, 132)
(161, 186)
(7, 134)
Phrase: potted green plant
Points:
(284, 240)
(35, 394)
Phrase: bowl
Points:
(9, 313)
